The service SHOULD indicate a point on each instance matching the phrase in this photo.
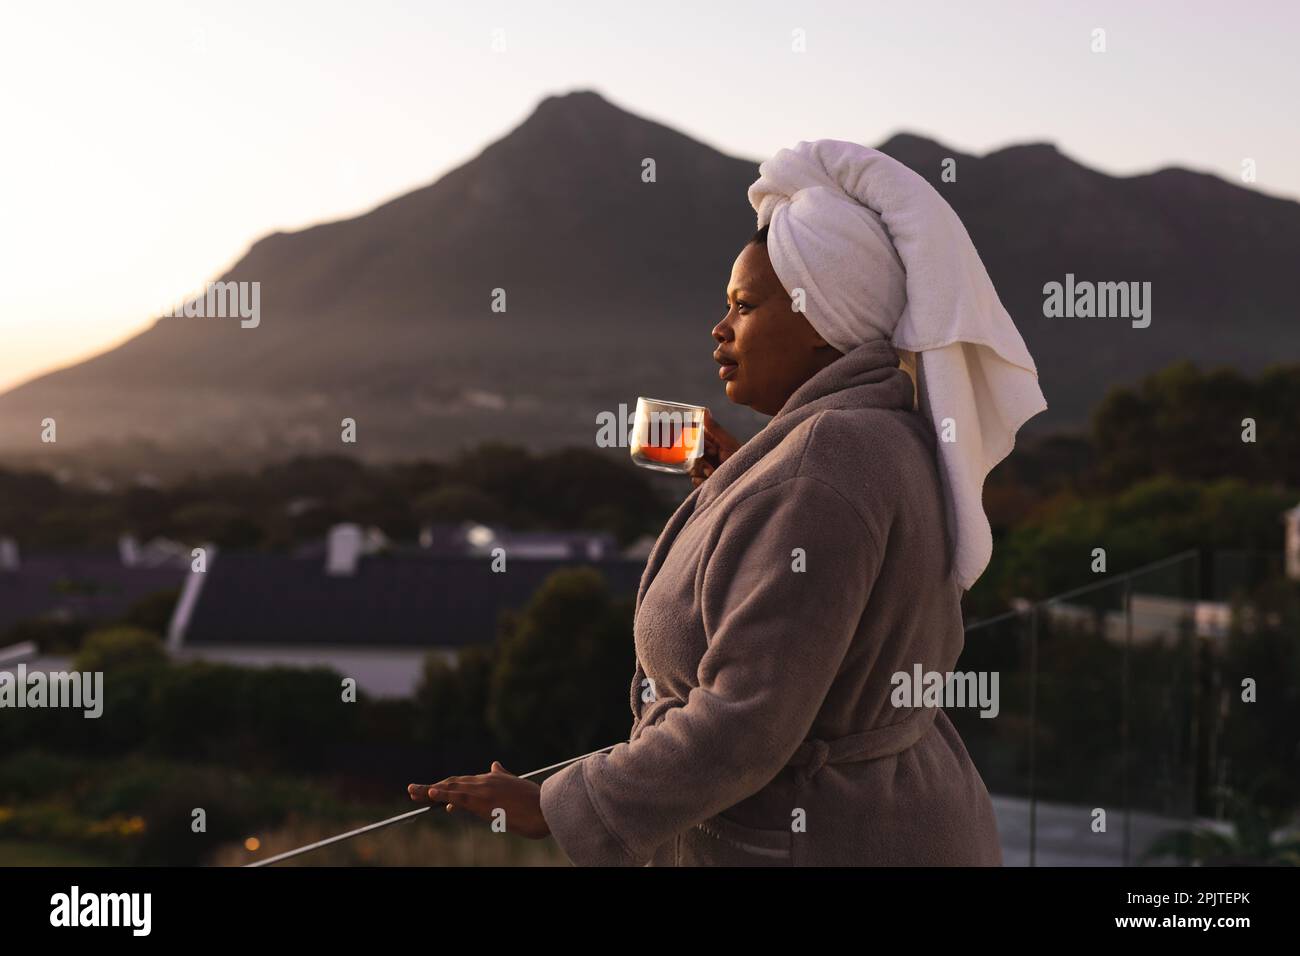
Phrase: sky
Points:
(144, 146)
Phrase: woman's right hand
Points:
(719, 445)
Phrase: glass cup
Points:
(667, 436)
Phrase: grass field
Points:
(22, 853)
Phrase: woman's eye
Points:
(742, 306)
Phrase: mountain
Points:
(611, 288)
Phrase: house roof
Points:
(87, 586)
(392, 600)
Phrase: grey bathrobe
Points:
(779, 600)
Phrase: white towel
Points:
(878, 253)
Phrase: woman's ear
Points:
(814, 337)
(823, 345)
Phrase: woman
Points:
(816, 561)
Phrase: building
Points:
(90, 587)
(368, 610)
(1152, 619)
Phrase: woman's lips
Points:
(727, 369)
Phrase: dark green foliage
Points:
(297, 501)
(1050, 550)
(454, 503)
(452, 704)
(560, 683)
(152, 613)
(1261, 739)
(555, 684)
(273, 717)
(1187, 423)
(141, 811)
(120, 648)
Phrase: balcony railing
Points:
(1093, 753)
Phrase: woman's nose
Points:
(722, 331)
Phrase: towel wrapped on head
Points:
(869, 250)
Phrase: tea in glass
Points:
(667, 436)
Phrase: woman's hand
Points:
(719, 445)
(485, 793)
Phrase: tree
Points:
(119, 647)
(563, 670)
(454, 503)
(452, 704)
(1187, 423)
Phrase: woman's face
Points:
(765, 350)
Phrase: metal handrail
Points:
(1075, 592)
(410, 814)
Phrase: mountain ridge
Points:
(612, 285)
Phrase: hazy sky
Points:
(146, 145)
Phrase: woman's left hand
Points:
(485, 793)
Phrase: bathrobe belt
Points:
(813, 754)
